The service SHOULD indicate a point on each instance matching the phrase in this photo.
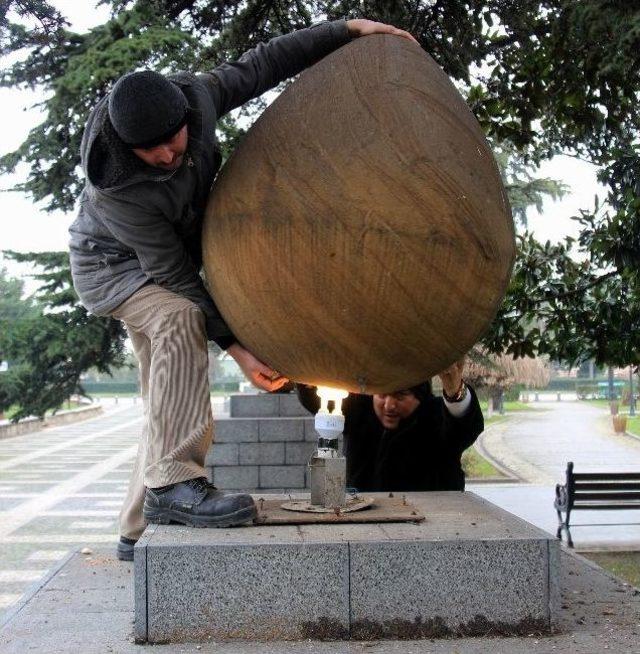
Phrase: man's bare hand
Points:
(258, 373)
(363, 27)
(451, 378)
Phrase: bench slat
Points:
(606, 485)
(607, 475)
(606, 496)
(606, 507)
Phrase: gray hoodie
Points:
(137, 224)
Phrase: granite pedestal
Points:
(468, 569)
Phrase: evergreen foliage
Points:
(52, 343)
(542, 76)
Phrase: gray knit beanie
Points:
(146, 109)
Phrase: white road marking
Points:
(31, 481)
(47, 555)
(16, 576)
(120, 495)
(82, 513)
(7, 599)
(59, 538)
(79, 524)
(14, 519)
(31, 476)
(14, 496)
(45, 451)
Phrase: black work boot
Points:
(124, 550)
(197, 503)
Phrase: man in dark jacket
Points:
(149, 156)
(409, 440)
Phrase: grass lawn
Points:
(603, 404)
(476, 466)
(12, 410)
(625, 565)
(496, 417)
(633, 425)
(512, 406)
(520, 406)
(111, 394)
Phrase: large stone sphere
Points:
(360, 236)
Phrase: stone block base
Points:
(264, 444)
(468, 569)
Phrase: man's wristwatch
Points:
(458, 396)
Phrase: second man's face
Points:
(167, 156)
(391, 408)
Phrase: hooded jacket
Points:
(422, 454)
(137, 224)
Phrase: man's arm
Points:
(461, 431)
(268, 64)
(165, 261)
(462, 417)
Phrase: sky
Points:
(24, 227)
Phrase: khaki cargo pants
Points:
(168, 336)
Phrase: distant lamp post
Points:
(632, 397)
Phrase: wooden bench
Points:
(595, 491)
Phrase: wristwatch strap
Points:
(458, 396)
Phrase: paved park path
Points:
(61, 488)
(537, 445)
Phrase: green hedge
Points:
(104, 388)
(227, 387)
(563, 384)
(110, 387)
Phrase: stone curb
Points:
(35, 588)
(29, 425)
(509, 474)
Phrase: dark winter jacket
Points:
(137, 224)
(422, 454)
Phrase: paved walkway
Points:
(537, 445)
(61, 489)
(87, 606)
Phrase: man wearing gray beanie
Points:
(149, 156)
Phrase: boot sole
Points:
(168, 516)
